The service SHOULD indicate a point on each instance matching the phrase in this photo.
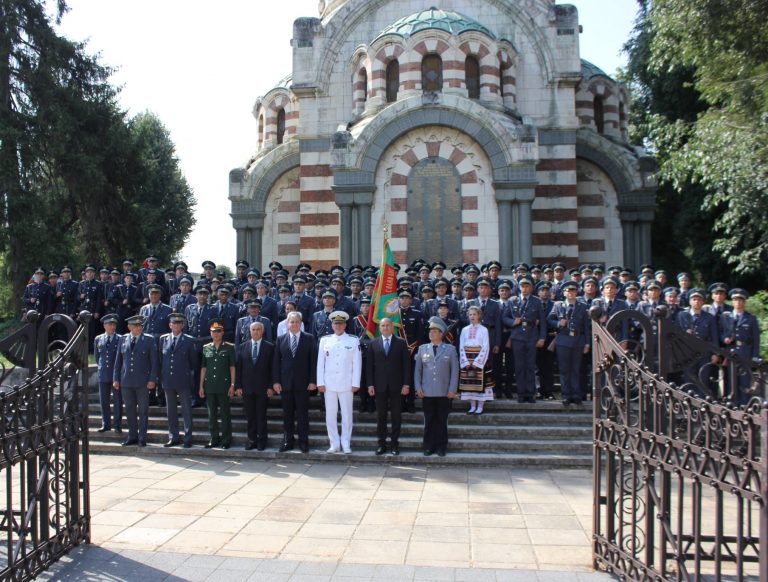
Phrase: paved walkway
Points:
(200, 519)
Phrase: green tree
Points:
(721, 48)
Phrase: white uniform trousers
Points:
(334, 401)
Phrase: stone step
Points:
(359, 456)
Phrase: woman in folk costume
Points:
(476, 376)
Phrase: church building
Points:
(474, 131)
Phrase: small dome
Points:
(434, 18)
(588, 70)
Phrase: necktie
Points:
(609, 305)
(173, 345)
(109, 341)
(386, 347)
(152, 312)
(294, 344)
(482, 306)
(570, 311)
(434, 350)
(255, 352)
(133, 342)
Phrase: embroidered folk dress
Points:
(476, 376)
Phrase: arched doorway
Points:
(434, 211)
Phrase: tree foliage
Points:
(712, 145)
(78, 180)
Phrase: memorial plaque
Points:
(434, 211)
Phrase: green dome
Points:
(434, 18)
(588, 70)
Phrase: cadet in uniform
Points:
(90, 298)
(545, 357)
(523, 316)
(571, 321)
(105, 351)
(178, 363)
(741, 333)
(217, 385)
(66, 293)
(136, 372)
(123, 299)
(339, 366)
(181, 300)
(39, 295)
(253, 314)
(436, 380)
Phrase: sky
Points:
(200, 71)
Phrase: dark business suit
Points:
(294, 374)
(388, 373)
(254, 378)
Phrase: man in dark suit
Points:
(294, 373)
(178, 363)
(253, 375)
(388, 371)
(136, 372)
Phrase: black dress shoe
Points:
(129, 442)
(261, 447)
(187, 445)
(395, 450)
(429, 452)
(103, 429)
(210, 445)
(249, 446)
(142, 443)
(566, 402)
(381, 450)
(304, 447)
(441, 453)
(225, 446)
(117, 430)
(172, 443)
(371, 406)
(285, 447)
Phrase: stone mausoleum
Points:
(475, 130)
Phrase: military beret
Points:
(135, 320)
(696, 292)
(109, 318)
(202, 289)
(404, 293)
(738, 292)
(718, 287)
(653, 285)
(275, 265)
(339, 316)
(176, 318)
(329, 293)
(216, 325)
(242, 263)
(570, 286)
(154, 289)
(437, 323)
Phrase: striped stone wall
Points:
(282, 222)
(600, 233)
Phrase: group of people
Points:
(507, 335)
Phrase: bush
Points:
(757, 305)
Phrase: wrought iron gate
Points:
(680, 472)
(44, 446)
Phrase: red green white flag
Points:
(384, 303)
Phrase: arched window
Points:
(432, 74)
(393, 80)
(599, 115)
(364, 83)
(280, 125)
(472, 74)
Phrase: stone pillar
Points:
(249, 229)
(515, 234)
(506, 246)
(363, 204)
(526, 236)
(514, 201)
(240, 245)
(346, 243)
(355, 204)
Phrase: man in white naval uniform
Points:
(339, 365)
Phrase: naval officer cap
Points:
(437, 323)
(135, 320)
(109, 318)
(176, 318)
(339, 316)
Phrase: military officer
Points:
(321, 320)
(151, 263)
(304, 304)
(179, 301)
(135, 375)
(268, 305)
(701, 324)
(339, 366)
(90, 295)
(343, 303)
(610, 305)
(545, 357)
(217, 385)
(208, 268)
(411, 330)
(523, 316)
(367, 403)
(123, 299)
(436, 380)
(155, 313)
(491, 320)
(571, 321)
(66, 293)
(178, 363)
(741, 333)
(38, 295)
(504, 382)
(253, 314)
(105, 348)
(226, 312)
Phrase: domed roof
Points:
(434, 18)
(588, 70)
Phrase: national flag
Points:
(384, 303)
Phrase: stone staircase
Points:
(544, 435)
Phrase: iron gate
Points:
(680, 473)
(44, 446)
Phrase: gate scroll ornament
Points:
(680, 475)
(44, 445)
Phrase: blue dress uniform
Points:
(105, 351)
(243, 329)
(136, 366)
(178, 363)
(571, 340)
(180, 301)
(156, 319)
(523, 316)
(436, 375)
(228, 313)
(545, 359)
(91, 295)
(123, 299)
(66, 295)
(741, 333)
(197, 319)
(38, 296)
